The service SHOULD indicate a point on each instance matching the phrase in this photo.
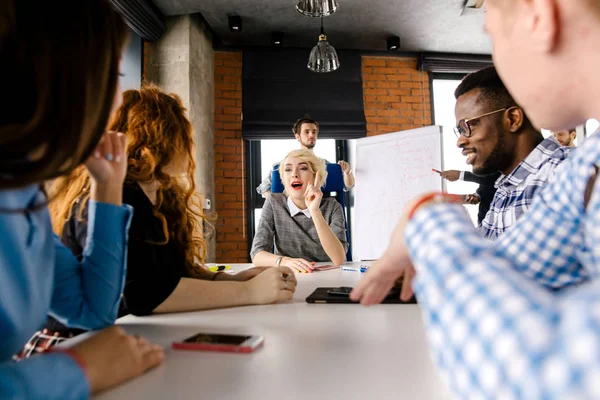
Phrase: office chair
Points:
(334, 184)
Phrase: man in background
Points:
(566, 138)
(306, 132)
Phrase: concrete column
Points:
(182, 62)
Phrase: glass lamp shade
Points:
(323, 57)
(317, 8)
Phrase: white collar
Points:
(294, 210)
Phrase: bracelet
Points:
(278, 261)
(74, 356)
(214, 277)
(436, 198)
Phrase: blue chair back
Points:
(334, 183)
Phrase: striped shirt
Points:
(296, 236)
(515, 192)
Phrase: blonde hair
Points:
(315, 163)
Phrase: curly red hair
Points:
(159, 136)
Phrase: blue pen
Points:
(362, 268)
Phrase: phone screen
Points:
(235, 340)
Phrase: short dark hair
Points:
(492, 90)
(491, 87)
(304, 120)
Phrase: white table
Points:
(311, 351)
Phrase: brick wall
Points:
(396, 94)
(230, 168)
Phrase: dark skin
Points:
(500, 141)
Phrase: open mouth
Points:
(471, 154)
(296, 185)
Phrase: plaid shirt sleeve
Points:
(495, 333)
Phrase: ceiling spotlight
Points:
(277, 38)
(317, 8)
(393, 43)
(235, 23)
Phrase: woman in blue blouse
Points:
(60, 66)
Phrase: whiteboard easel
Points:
(391, 170)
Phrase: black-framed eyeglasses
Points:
(464, 129)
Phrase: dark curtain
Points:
(278, 89)
(443, 63)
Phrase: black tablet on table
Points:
(340, 295)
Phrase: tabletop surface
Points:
(311, 351)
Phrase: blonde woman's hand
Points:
(272, 285)
(313, 195)
(298, 264)
(113, 357)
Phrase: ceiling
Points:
(422, 25)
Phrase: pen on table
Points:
(362, 268)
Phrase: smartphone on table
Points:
(221, 342)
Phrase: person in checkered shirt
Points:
(518, 318)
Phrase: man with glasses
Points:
(496, 135)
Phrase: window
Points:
(443, 109)
(591, 126)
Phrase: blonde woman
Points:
(298, 227)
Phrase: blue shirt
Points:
(518, 318)
(38, 275)
(515, 192)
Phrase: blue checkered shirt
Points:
(518, 318)
(515, 192)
